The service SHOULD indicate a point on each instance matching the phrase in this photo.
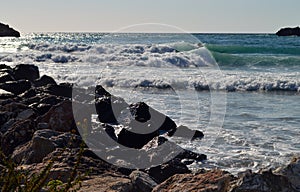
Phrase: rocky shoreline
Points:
(38, 126)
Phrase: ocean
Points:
(241, 90)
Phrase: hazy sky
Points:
(111, 15)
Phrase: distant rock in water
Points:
(289, 32)
(6, 31)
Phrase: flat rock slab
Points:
(107, 183)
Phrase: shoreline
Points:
(38, 124)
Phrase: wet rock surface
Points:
(42, 121)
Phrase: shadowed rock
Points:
(289, 32)
(6, 31)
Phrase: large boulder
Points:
(162, 172)
(26, 71)
(107, 183)
(108, 107)
(292, 172)
(289, 31)
(142, 181)
(16, 87)
(42, 143)
(264, 181)
(204, 181)
(59, 118)
(63, 89)
(146, 124)
(6, 31)
(18, 134)
(44, 81)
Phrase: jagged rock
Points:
(64, 161)
(44, 142)
(142, 182)
(29, 94)
(134, 140)
(6, 31)
(16, 87)
(162, 172)
(44, 81)
(292, 172)
(5, 76)
(289, 32)
(210, 181)
(4, 117)
(26, 71)
(20, 133)
(26, 114)
(186, 154)
(144, 113)
(60, 117)
(146, 125)
(109, 108)
(154, 143)
(63, 89)
(4, 67)
(5, 94)
(264, 181)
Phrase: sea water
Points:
(241, 90)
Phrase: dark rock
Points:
(142, 181)
(44, 142)
(186, 154)
(16, 87)
(14, 107)
(4, 117)
(154, 143)
(100, 92)
(143, 113)
(63, 90)
(134, 140)
(26, 71)
(210, 181)
(60, 117)
(110, 131)
(109, 108)
(147, 124)
(6, 31)
(19, 133)
(292, 172)
(26, 114)
(140, 111)
(289, 32)
(265, 181)
(28, 94)
(185, 132)
(162, 172)
(4, 67)
(44, 81)
(5, 76)
(5, 94)
(43, 108)
(51, 100)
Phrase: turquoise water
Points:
(252, 80)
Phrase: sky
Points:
(203, 16)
